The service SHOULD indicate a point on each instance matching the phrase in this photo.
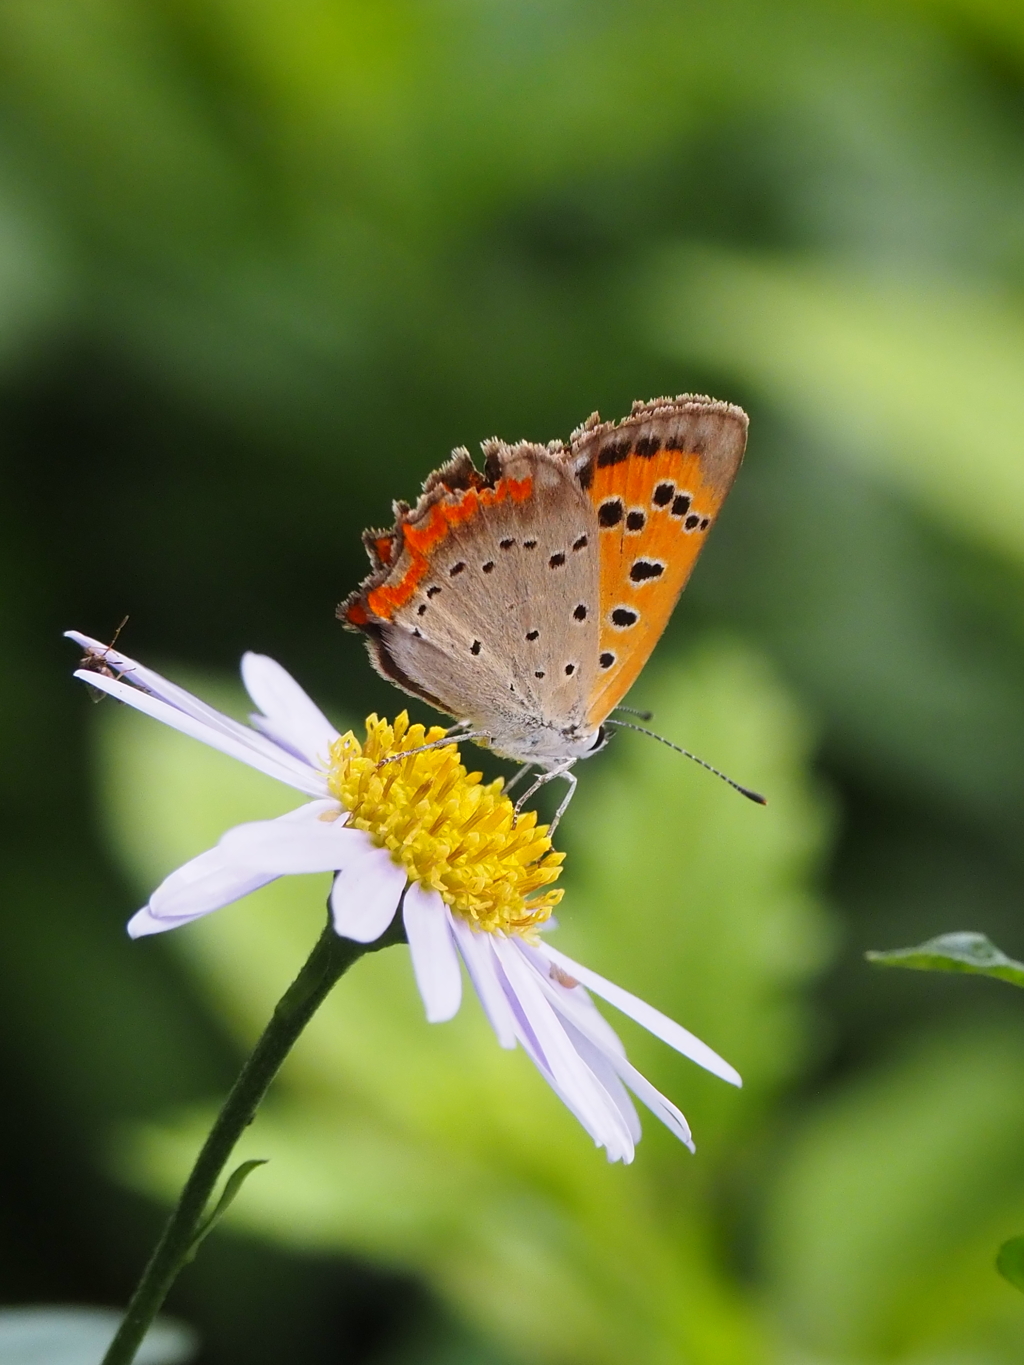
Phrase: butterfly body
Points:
(524, 600)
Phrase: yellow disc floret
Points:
(449, 830)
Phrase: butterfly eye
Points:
(600, 739)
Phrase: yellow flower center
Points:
(449, 830)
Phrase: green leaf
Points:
(1010, 1262)
(235, 1181)
(964, 952)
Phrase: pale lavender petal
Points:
(203, 884)
(250, 747)
(149, 681)
(301, 841)
(570, 1073)
(365, 896)
(583, 1021)
(653, 1020)
(659, 1105)
(145, 681)
(605, 1073)
(289, 717)
(476, 953)
(435, 963)
(572, 1001)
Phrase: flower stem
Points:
(330, 959)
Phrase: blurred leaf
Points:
(232, 1185)
(911, 376)
(80, 1336)
(431, 1149)
(964, 952)
(886, 1201)
(1010, 1262)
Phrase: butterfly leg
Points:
(539, 781)
(442, 743)
(516, 778)
(572, 780)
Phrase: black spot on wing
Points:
(624, 617)
(606, 659)
(635, 520)
(614, 453)
(475, 647)
(663, 494)
(648, 446)
(681, 504)
(610, 512)
(580, 614)
(580, 544)
(556, 561)
(644, 569)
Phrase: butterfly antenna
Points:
(743, 791)
(644, 715)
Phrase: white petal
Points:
(660, 1106)
(149, 681)
(573, 1001)
(435, 962)
(196, 888)
(240, 742)
(653, 1020)
(365, 896)
(569, 1071)
(289, 717)
(583, 1024)
(204, 884)
(605, 1073)
(476, 953)
(300, 841)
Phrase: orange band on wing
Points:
(421, 539)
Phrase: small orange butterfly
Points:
(524, 600)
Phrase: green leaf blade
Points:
(961, 952)
(232, 1186)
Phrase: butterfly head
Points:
(548, 746)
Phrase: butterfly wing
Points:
(483, 597)
(655, 482)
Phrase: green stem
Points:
(330, 959)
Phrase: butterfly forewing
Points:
(656, 482)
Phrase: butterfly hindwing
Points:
(656, 482)
(484, 597)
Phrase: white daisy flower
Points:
(421, 833)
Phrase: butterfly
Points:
(525, 599)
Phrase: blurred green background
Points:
(261, 266)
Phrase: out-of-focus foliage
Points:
(261, 266)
